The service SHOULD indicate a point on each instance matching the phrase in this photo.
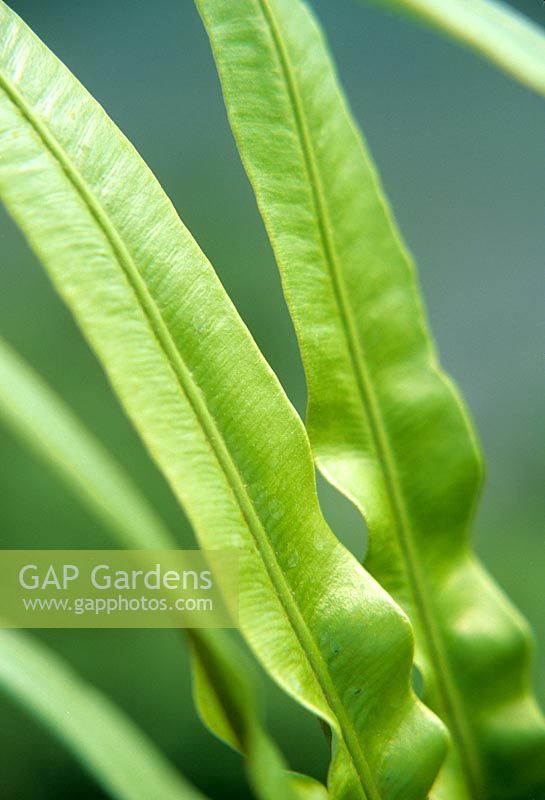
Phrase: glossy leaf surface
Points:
(387, 426)
(214, 418)
(99, 734)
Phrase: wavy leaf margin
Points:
(387, 426)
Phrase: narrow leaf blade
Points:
(99, 734)
(387, 426)
(493, 29)
(33, 412)
(213, 417)
(226, 692)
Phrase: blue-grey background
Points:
(460, 149)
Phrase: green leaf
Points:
(214, 418)
(226, 696)
(227, 702)
(387, 426)
(500, 33)
(100, 735)
(33, 412)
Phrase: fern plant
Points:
(385, 426)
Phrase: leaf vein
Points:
(209, 426)
(450, 699)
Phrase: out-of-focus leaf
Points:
(34, 413)
(214, 418)
(387, 426)
(97, 732)
(225, 694)
(493, 29)
(228, 704)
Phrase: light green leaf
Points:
(493, 29)
(387, 427)
(100, 735)
(213, 416)
(33, 412)
(225, 680)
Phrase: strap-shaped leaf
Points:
(213, 416)
(493, 29)
(32, 411)
(224, 680)
(387, 427)
(95, 730)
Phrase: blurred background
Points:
(460, 149)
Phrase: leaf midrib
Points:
(190, 389)
(449, 695)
